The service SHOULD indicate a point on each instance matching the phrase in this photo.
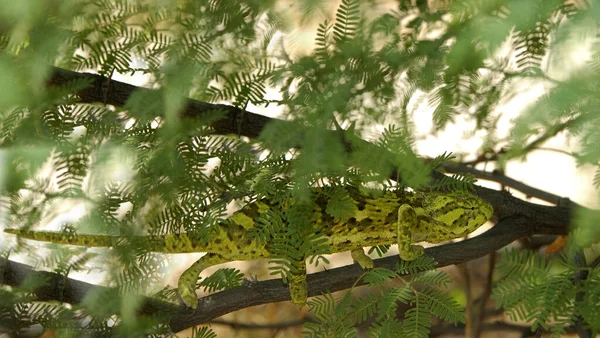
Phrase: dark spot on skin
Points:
(230, 236)
(378, 210)
(327, 219)
(248, 241)
(391, 218)
(361, 205)
(218, 241)
(352, 221)
(366, 222)
(251, 210)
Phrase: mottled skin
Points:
(399, 218)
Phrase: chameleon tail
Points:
(66, 238)
(180, 243)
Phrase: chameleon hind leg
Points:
(187, 281)
(407, 223)
(298, 286)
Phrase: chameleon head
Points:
(460, 212)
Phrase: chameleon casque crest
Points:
(400, 217)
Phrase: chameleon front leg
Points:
(407, 223)
(362, 259)
(187, 280)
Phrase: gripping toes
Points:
(299, 290)
(298, 286)
(412, 252)
(363, 260)
(407, 222)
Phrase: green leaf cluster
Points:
(542, 292)
(143, 165)
(425, 293)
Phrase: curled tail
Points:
(166, 243)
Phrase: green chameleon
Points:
(399, 218)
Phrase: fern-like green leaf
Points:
(379, 276)
(340, 205)
(422, 263)
(441, 304)
(363, 308)
(388, 303)
(380, 249)
(203, 332)
(346, 20)
(222, 279)
(416, 323)
(435, 278)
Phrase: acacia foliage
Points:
(368, 67)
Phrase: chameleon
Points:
(393, 217)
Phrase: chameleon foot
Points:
(299, 291)
(298, 286)
(413, 252)
(363, 260)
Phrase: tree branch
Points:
(498, 177)
(68, 290)
(235, 121)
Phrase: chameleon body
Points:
(401, 218)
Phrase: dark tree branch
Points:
(68, 290)
(281, 325)
(242, 122)
(245, 123)
(235, 121)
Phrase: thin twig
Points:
(464, 272)
(580, 276)
(497, 177)
(480, 314)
